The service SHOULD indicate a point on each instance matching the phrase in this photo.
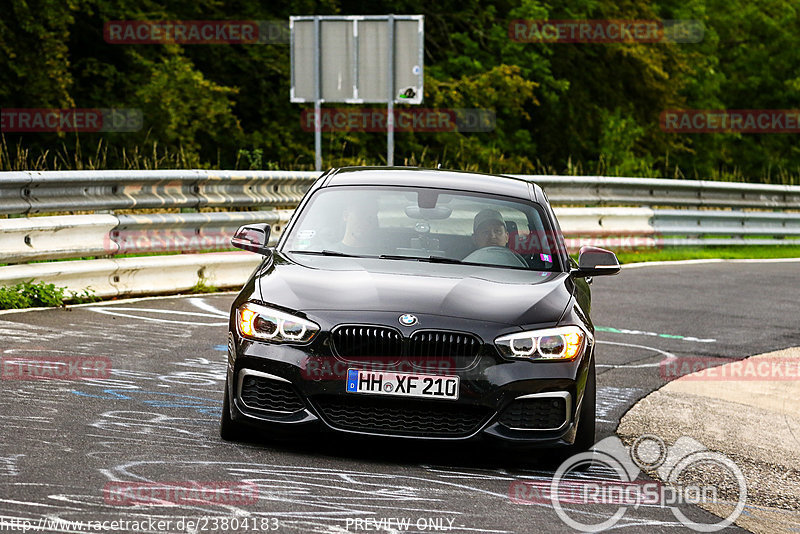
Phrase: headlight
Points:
(561, 343)
(265, 324)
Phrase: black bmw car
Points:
(416, 303)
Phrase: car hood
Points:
(508, 296)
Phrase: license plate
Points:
(402, 384)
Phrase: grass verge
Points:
(710, 252)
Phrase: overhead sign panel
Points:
(360, 58)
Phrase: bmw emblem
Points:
(408, 319)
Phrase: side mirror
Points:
(252, 237)
(593, 261)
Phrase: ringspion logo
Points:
(622, 488)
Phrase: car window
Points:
(420, 223)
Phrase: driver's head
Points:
(361, 221)
(489, 229)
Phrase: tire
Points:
(229, 430)
(584, 438)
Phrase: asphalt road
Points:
(154, 419)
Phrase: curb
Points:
(753, 419)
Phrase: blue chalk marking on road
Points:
(205, 406)
(221, 348)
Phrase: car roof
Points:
(439, 178)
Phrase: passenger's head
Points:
(360, 224)
(489, 229)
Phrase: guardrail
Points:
(32, 192)
(105, 236)
(607, 191)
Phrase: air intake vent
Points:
(261, 393)
(402, 417)
(544, 413)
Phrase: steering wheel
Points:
(495, 255)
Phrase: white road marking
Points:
(203, 305)
(668, 355)
(155, 320)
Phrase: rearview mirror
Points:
(594, 261)
(432, 214)
(252, 237)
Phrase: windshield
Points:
(406, 224)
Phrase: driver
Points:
(489, 229)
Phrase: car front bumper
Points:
(290, 389)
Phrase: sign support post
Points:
(390, 96)
(317, 103)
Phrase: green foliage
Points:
(30, 295)
(559, 107)
(252, 158)
(35, 295)
(202, 287)
(85, 296)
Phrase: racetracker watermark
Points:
(329, 368)
(729, 370)
(606, 31)
(405, 120)
(538, 242)
(71, 120)
(196, 32)
(613, 243)
(180, 493)
(758, 121)
(678, 467)
(54, 368)
(166, 240)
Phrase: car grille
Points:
(402, 417)
(425, 349)
(535, 414)
(355, 342)
(262, 393)
(450, 344)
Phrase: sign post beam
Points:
(317, 97)
(390, 96)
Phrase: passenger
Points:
(360, 229)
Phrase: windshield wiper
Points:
(326, 253)
(431, 259)
(443, 259)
